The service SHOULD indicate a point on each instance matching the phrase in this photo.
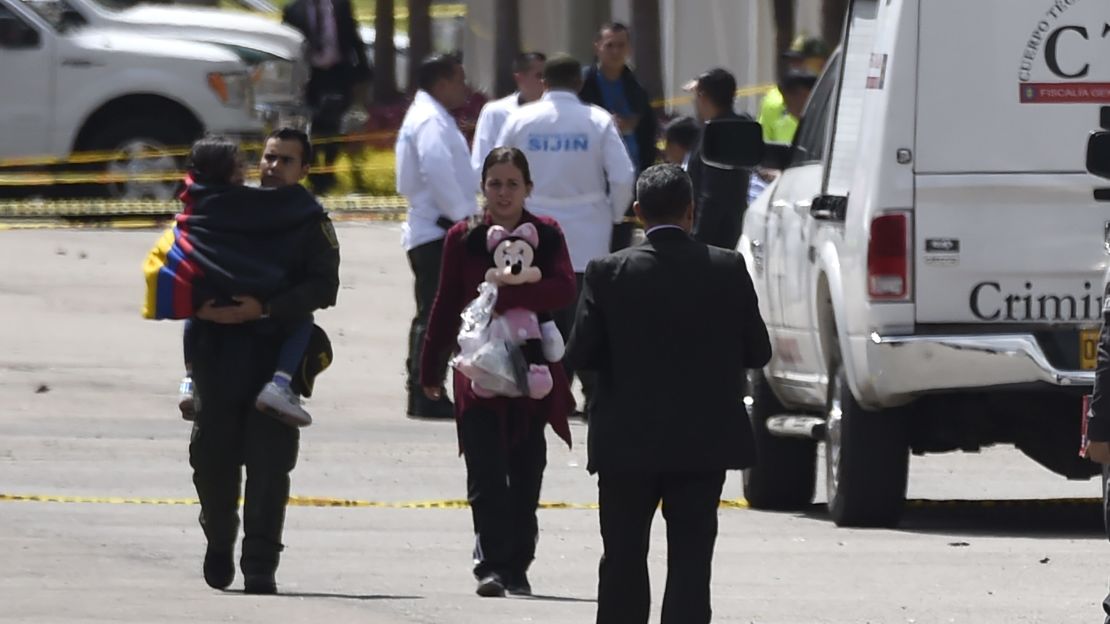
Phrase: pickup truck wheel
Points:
(866, 460)
(784, 476)
(143, 148)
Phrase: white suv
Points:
(81, 79)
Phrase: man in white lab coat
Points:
(434, 175)
(581, 170)
(528, 74)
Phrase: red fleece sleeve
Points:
(557, 289)
(443, 323)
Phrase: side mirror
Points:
(829, 207)
(1098, 154)
(732, 144)
(776, 156)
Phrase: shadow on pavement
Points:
(558, 598)
(292, 594)
(1063, 518)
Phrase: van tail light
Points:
(888, 257)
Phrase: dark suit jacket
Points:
(670, 327)
(351, 47)
(638, 99)
(720, 198)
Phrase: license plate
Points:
(1088, 349)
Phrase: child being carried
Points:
(231, 240)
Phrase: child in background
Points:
(681, 135)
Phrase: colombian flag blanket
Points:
(227, 240)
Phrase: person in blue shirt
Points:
(610, 84)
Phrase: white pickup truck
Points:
(930, 261)
(79, 75)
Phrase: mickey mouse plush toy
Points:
(539, 339)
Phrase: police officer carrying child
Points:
(236, 353)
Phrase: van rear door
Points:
(1007, 230)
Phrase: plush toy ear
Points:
(494, 236)
(529, 233)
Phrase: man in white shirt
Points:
(434, 175)
(581, 170)
(528, 74)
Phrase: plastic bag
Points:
(491, 362)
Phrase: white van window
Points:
(809, 142)
(58, 13)
(16, 34)
(848, 124)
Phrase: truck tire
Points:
(866, 460)
(130, 136)
(784, 476)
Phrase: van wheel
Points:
(784, 476)
(866, 460)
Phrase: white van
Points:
(930, 261)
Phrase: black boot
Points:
(259, 563)
(518, 585)
(491, 586)
(219, 568)
(260, 584)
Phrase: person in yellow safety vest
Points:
(795, 88)
(805, 53)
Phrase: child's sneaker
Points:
(185, 400)
(282, 403)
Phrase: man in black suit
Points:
(720, 195)
(669, 327)
(337, 56)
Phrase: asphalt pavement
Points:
(98, 517)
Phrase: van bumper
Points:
(899, 367)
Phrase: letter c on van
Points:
(975, 309)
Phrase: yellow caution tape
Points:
(174, 151)
(180, 151)
(63, 178)
(22, 179)
(314, 501)
(436, 11)
(750, 90)
(391, 204)
(136, 214)
(149, 223)
(303, 501)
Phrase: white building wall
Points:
(738, 35)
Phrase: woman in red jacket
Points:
(501, 438)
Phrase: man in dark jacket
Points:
(1098, 428)
(236, 353)
(337, 56)
(611, 85)
(669, 327)
(720, 195)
